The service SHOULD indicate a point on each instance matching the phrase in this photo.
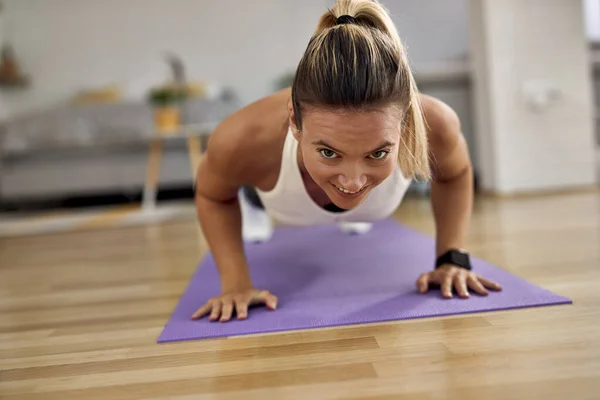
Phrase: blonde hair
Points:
(363, 65)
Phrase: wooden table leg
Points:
(194, 151)
(152, 175)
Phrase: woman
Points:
(340, 146)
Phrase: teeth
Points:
(346, 191)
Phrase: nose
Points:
(353, 179)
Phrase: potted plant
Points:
(166, 101)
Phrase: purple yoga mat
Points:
(324, 277)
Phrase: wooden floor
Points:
(81, 312)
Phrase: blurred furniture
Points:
(193, 135)
(90, 150)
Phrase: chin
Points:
(345, 200)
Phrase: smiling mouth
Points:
(346, 191)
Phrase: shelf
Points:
(19, 82)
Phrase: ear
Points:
(292, 122)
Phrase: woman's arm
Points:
(220, 218)
(452, 182)
(228, 163)
(451, 199)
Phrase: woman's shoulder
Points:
(448, 146)
(246, 141)
(441, 120)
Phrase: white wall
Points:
(592, 19)
(519, 44)
(68, 45)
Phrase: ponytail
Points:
(360, 63)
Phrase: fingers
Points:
(423, 283)
(264, 296)
(241, 309)
(222, 308)
(216, 311)
(272, 302)
(460, 284)
(227, 310)
(446, 286)
(476, 286)
(489, 284)
(202, 311)
(462, 281)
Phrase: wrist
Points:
(234, 283)
(443, 245)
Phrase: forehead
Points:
(352, 128)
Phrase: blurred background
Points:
(87, 86)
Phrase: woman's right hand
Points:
(222, 307)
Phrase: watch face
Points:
(460, 258)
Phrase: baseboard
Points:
(92, 200)
(540, 192)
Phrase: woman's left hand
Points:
(450, 276)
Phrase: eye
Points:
(327, 153)
(379, 155)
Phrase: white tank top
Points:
(289, 202)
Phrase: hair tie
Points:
(345, 19)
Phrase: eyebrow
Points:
(383, 145)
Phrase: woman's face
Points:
(347, 154)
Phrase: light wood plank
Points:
(81, 312)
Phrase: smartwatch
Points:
(457, 257)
